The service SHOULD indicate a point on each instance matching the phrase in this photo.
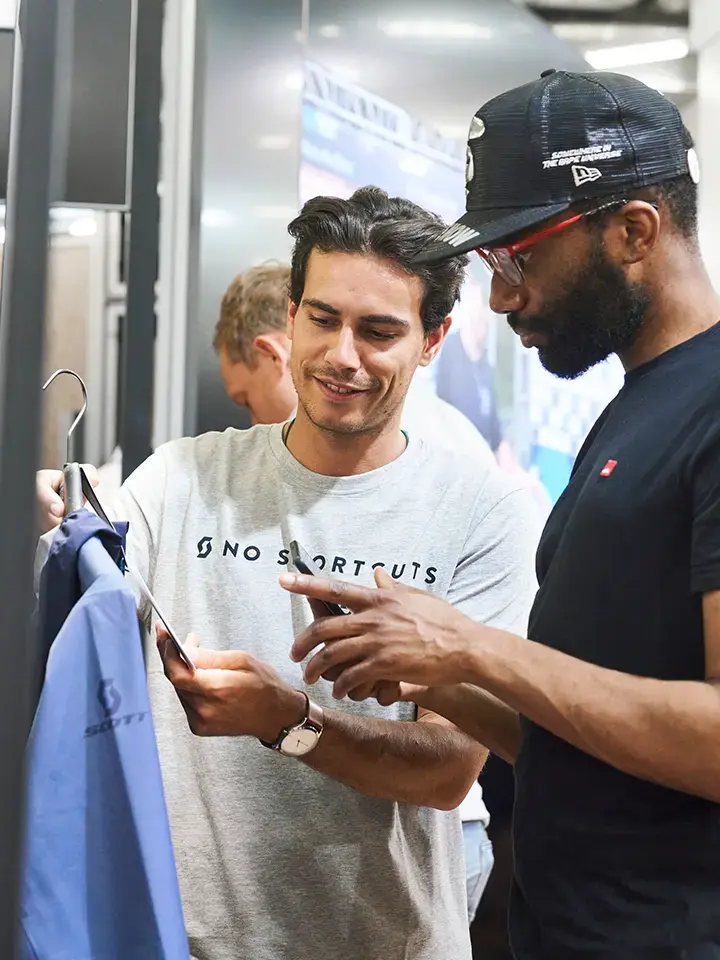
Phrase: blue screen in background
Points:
(357, 157)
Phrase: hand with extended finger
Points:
(385, 692)
(394, 633)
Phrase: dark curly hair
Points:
(371, 222)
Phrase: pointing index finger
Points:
(350, 595)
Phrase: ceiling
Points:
(475, 49)
(658, 12)
(592, 25)
(438, 62)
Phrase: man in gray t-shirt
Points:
(344, 840)
(254, 355)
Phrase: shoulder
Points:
(702, 440)
(500, 508)
(210, 459)
(214, 448)
(470, 473)
(440, 424)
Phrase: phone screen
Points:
(304, 563)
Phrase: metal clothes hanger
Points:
(72, 492)
(77, 488)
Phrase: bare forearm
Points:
(667, 732)
(425, 764)
(483, 717)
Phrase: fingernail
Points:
(57, 509)
(287, 579)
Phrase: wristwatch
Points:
(300, 739)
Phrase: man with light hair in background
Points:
(254, 353)
(252, 345)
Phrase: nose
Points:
(504, 297)
(343, 354)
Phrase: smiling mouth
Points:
(339, 390)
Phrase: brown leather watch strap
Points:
(315, 714)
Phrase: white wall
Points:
(705, 39)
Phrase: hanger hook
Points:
(79, 417)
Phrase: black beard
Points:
(600, 315)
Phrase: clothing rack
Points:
(39, 133)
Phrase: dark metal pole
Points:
(34, 173)
(138, 352)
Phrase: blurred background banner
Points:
(350, 138)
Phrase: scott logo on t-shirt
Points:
(331, 565)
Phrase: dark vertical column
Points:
(43, 56)
(138, 351)
(256, 44)
(192, 325)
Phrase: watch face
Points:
(299, 742)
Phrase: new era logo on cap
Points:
(583, 175)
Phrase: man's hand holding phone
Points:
(229, 693)
(304, 563)
(326, 609)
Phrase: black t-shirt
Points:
(609, 866)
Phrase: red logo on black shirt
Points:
(608, 468)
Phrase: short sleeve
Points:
(494, 582)
(704, 480)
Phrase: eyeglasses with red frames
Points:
(508, 261)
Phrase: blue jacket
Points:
(99, 879)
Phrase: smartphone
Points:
(145, 590)
(304, 563)
(92, 499)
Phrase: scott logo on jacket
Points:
(110, 702)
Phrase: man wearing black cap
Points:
(582, 200)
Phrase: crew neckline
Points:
(391, 472)
(668, 355)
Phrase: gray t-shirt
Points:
(277, 861)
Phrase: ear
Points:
(292, 313)
(271, 345)
(434, 341)
(638, 234)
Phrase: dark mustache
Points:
(328, 373)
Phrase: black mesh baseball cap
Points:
(534, 151)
